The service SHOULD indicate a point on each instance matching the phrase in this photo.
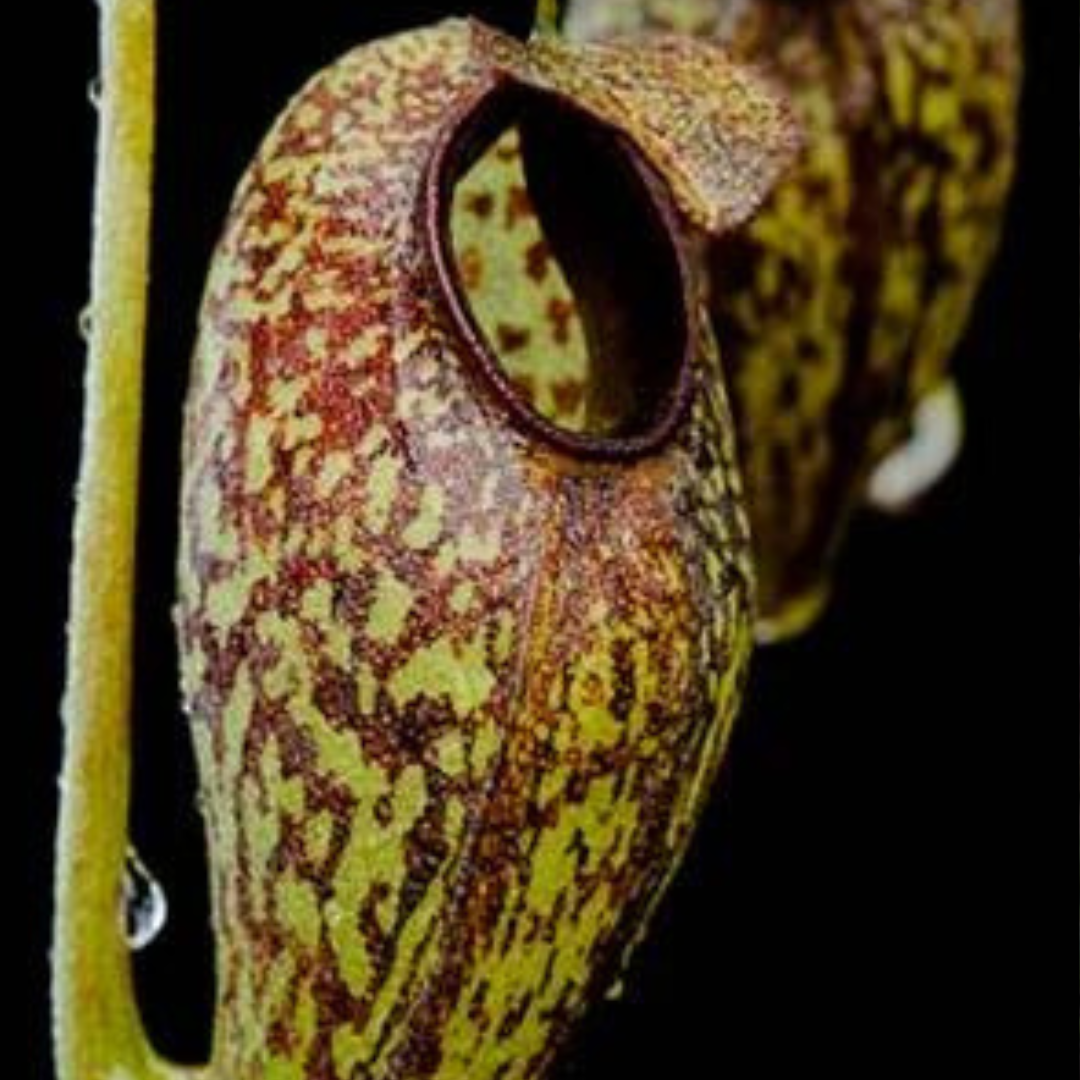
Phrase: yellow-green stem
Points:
(546, 20)
(97, 1029)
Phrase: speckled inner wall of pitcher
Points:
(459, 676)
(838, 307)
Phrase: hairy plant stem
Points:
(97, 1029)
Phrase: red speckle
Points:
(560, 313)
(518, 205)
(481, 204)
(471, 268)
(536, 260)
(511, 338)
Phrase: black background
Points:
(860, 898)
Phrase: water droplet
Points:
(86, 322)
(910, 470)
(93, 92)
(145, 907)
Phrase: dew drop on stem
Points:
(144, 908)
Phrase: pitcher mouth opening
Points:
(559, 256)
